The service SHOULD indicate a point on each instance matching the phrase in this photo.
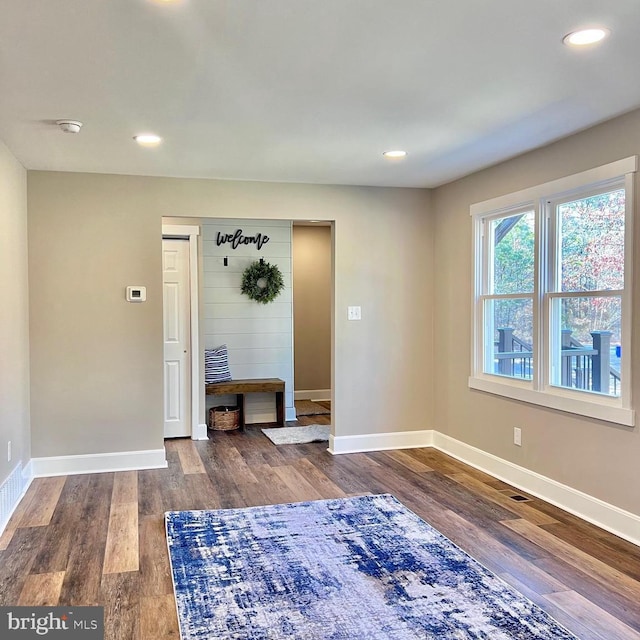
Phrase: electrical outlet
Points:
(517, 436)
(354, 313)
(9, 451)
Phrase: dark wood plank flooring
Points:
(72, 541)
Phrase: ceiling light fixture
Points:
(148, 139)
(394, 154)
(585, 36)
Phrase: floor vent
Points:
(518, 498)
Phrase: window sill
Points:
(601, 409)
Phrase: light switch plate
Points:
(354, 313)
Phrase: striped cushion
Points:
(216, 365)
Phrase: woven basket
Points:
(224, 418)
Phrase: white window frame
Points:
(539, 390)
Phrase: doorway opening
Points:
(259, 338)
(312, 295)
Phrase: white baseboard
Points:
(99, 463)
(12, 491)
(380, 441)
(314, 394)
(200, 433)
(27, 472)
(604, 515)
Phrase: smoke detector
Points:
(69, 126)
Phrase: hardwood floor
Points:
(99, 539)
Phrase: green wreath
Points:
(262, 281)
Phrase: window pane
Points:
(513, 253)
(586, 353)
(592, 242)
(509, 336)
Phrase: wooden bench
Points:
(256, 385)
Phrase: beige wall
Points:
(596, 457)
(312, 307)
(14, 314)
(97, 360)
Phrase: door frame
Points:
(191, 233)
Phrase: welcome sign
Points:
(238, 239)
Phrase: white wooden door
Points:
(177, 347)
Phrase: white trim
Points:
(602, 514)
(27, 472)
(316, 394)
(180, 230)
(600, 410)
(196, 392)
(540, 390)
(200, 433)
(99, 463)
(627, 296)
(555, 188)
(380, 441)
(192, 232)
(290, 413)
(12, 491)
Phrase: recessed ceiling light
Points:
(148, 139)
(395, 154)
(585, 36)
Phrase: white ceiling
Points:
(307, 91)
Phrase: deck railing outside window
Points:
(583, 367)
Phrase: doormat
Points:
(298, 435)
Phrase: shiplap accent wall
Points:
(259, 336)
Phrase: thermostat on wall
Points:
(136, 294)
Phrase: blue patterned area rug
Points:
(363, 568)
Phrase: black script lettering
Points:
(236, 239)
(221, 238)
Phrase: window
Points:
(552, 307)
